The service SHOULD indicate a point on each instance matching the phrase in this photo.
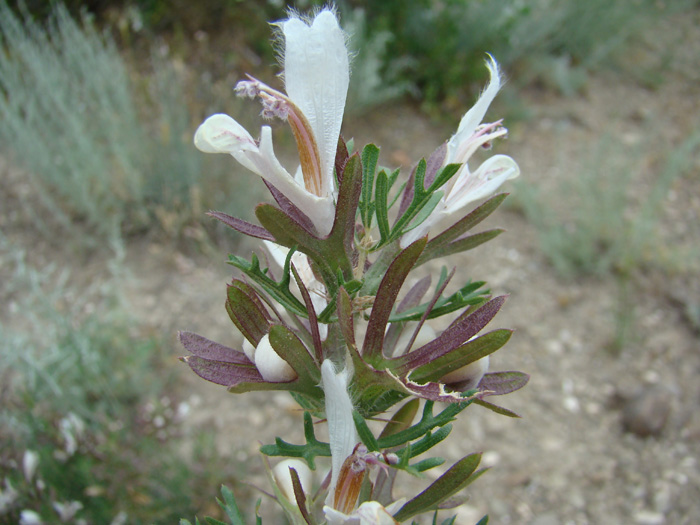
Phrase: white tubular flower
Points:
(271, 366)
(316, 74)
(341, 427)
(467, 186)
(284, 479)
(369, 513)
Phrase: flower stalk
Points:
(335, 322)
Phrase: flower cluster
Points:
(331, 323)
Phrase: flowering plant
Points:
(330, 323)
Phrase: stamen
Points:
(278, 105)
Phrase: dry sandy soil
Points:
(577, 455)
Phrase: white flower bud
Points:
(270, 365)
(468, 376)
(248, 350)
(283, 477)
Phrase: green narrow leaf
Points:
(427, 464)
(382, 210)
(370, 156)
(484, 520)
(230, 507)
(451, 482)
(425, 211)
(497, 409)
(364, 432)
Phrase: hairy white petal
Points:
(316, 76)
(475, 115)
(341, 427)
(284, 479)
(481, 183)
(270, 365)
(222, 134)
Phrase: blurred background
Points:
(106, 251)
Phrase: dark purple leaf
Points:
(386, 298)
(290, 209)
(246, 314)
(206, 349)
(341, 158)
(415, 294)
(242, 226)
(501, 383)
(345, 317)
(463, 329)
(463, 355)
(435, 162)
(313, 320)
(222, 373)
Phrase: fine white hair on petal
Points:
(475, 115)
(341, 427)
(316, 76)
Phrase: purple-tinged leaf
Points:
(246, 314)
(207, 349)
(290, 348)
(313, 320)
(465, 224)
(253, 295)
(435, 162)
(463, 329)
(290, 209)
(455, 479)
(386, 298)
(290, 233)
(497, 409)
(429, 308)
(433, 165)
(415, 294)
(501, 383)
(341, 237)
(300, 496)
(341, 158)
(411, 300)
(223, 373)
(461, 356)
(461, 245)
(241, 226)
(345, 321)
(433, 392)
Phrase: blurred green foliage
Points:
(85, 388)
